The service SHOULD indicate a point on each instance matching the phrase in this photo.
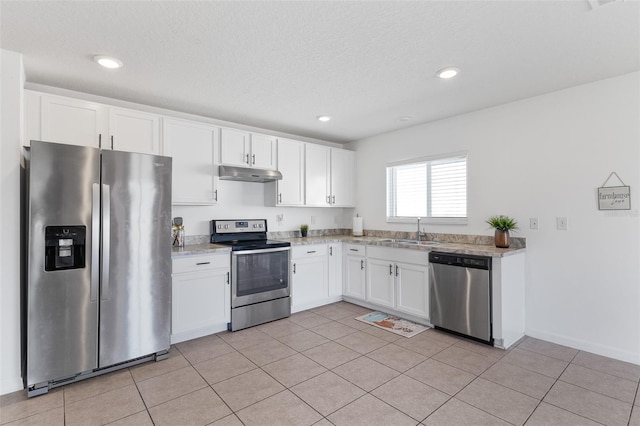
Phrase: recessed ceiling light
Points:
(447, 72)
(107, 61)
(324, 117)
(404, 118)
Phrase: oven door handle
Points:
(271, 250)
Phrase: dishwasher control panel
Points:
(467, 261)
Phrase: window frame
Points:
(427, 219)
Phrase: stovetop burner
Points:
(248, 234)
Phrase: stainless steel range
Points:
(259, 272)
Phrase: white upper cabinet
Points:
(234, 147)
(76, 122)
(263, 151)
(329, 176)
(342, 177)
(244, 149)
(289, 191)
(192, 146)
(317, 167)
(133, 131)
(69, 121)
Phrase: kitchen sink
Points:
(412, 242)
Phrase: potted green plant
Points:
(303, 230)
(502, 225)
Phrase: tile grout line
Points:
(557, 379)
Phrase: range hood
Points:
(247, 174)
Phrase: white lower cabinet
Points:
(354, 271)
(335, 270)
(201, 299)
(398, 279)
(381, 283)
(309, 276)
(313, 272)
(412, 286)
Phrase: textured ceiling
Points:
(278, 65)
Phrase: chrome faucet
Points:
(420, 234)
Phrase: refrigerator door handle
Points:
(106, 237)
(95, 242)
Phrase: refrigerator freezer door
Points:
(135, 301)
(62, 319)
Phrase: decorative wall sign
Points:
(614, 197)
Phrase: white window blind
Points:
(428, 188)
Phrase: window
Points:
(430, 188)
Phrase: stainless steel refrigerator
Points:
(96, 287)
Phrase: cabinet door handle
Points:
(390, 269)
(294, 268)
(253, 158)
(333, 199)
(227, 277)
(100, 140)
(330, 250)
(396, 270)
(215, 195)
(311, 251)
(354, 249)
(328, 199)
(112, 142)
(280, 197)
(203, 263)
(362, 264)
(247, 160)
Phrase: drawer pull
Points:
(311, 251)
(203, 263)
(354, 249)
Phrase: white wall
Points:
(544, 157)
(245, 200)
(11, 83)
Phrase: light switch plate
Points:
(533, 223)
(561, 223)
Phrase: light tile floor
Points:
(322, 367)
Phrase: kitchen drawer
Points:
(201, 263)
(300, 252)
(356, 250)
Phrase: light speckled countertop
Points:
(445, 247)
(196, 249)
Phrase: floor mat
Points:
(393, 324)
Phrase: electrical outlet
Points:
(533, 223)
(561, 223)
(313, 220)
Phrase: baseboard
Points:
(316, 304)
(200, 332)
(608, 351)
(10, 385)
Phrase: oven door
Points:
(259, 275)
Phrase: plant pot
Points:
(502, 239)
(303, 233)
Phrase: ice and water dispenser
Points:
(64, 247)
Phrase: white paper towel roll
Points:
(357, 226)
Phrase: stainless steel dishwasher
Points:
(460, 294)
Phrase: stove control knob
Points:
(261, 226)
(219, 226)
(226, 226)
(255, 225)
